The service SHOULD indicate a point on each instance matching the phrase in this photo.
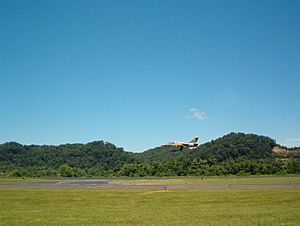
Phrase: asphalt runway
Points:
(108, 183)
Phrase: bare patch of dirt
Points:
(278, 150)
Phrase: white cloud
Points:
(291, 142)
(197, 114)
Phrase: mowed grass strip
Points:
(150, 207)
(20, 179)
(212, 180)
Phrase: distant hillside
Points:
(235, 153)
(234, 146)
(97, 155)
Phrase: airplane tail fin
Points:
(194, 140)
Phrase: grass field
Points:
(214, 180)
(149, 207)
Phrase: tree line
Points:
(171, 167)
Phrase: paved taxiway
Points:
(109, 183)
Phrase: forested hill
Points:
(234, 146)
(93, 156)
(101, 158)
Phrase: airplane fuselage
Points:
(181, 145)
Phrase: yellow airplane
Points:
(192, 144)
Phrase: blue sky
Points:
(141, 73)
